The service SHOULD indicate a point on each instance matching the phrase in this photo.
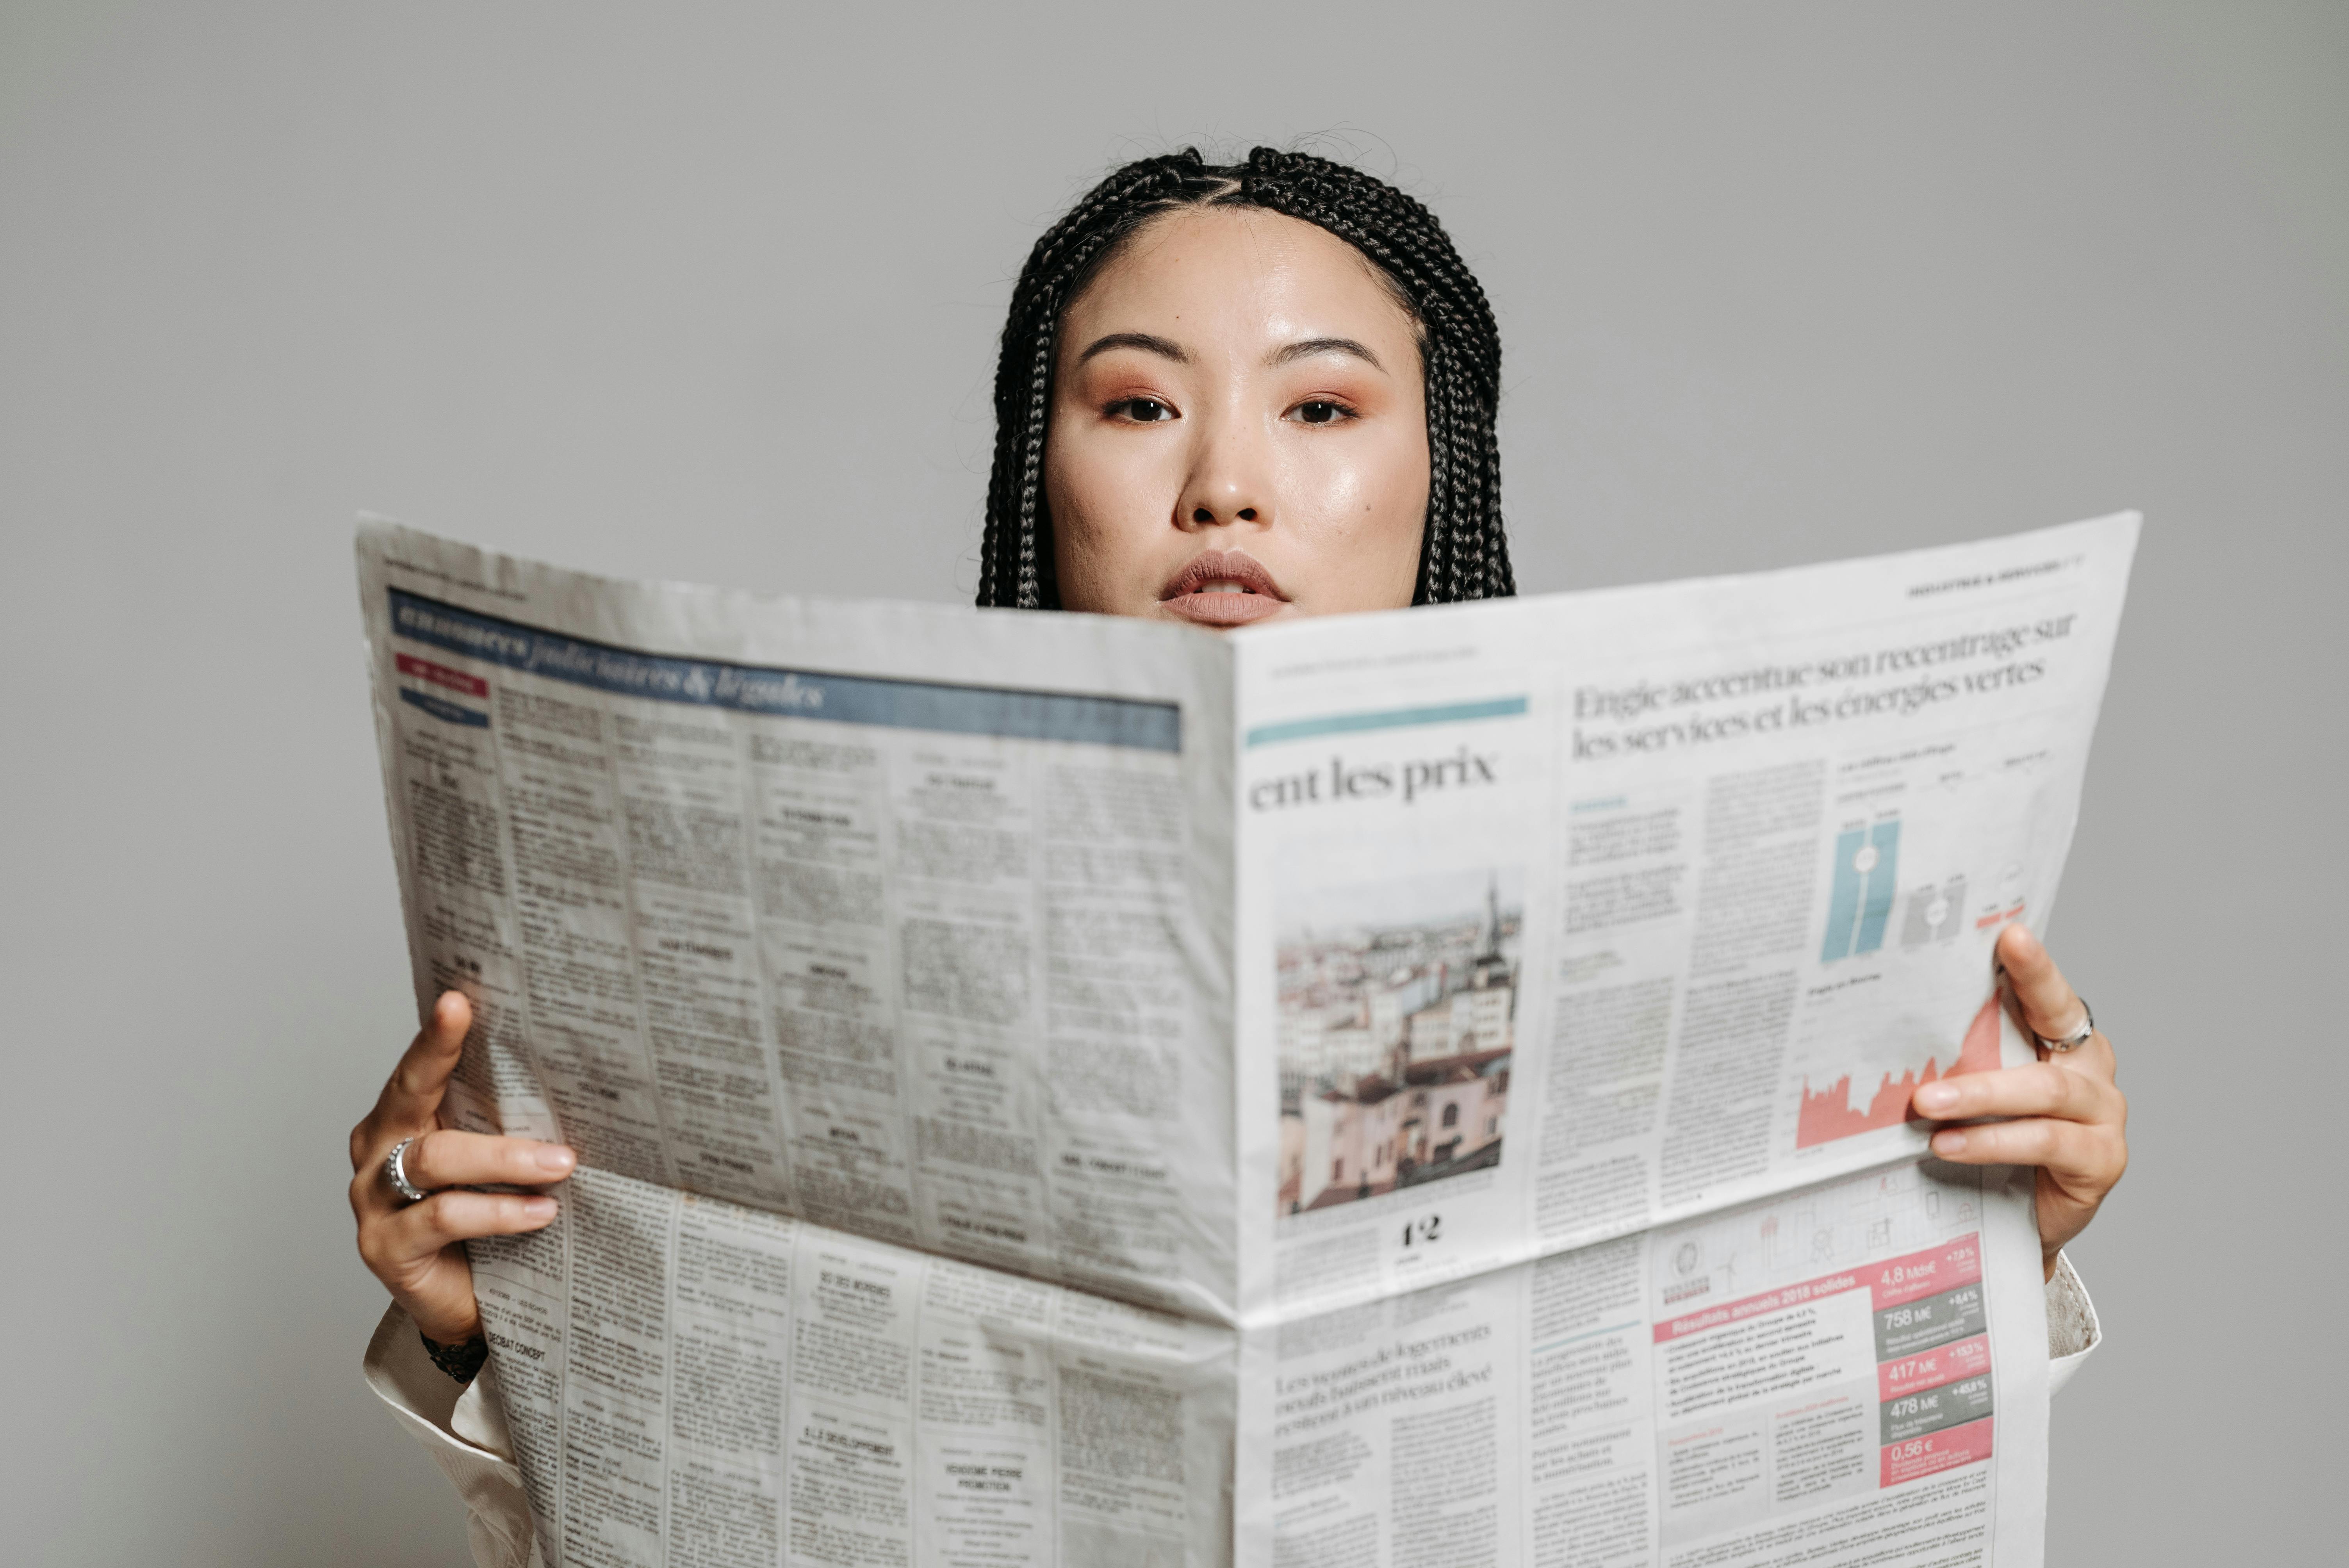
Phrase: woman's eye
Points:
(1320, 412)
(1143, 410)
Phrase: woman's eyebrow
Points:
(1141, 340)
(1306, 347)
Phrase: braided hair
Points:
(1463, 552)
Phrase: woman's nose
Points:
(1227, 486)
(1206, 513)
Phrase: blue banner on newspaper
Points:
(446, 711)
(796, 694)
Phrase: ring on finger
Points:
(395, 1171)
(2078, 1037)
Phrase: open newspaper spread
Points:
(1407, 1090)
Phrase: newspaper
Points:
(1426, 1089)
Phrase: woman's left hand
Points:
(2070, 1119)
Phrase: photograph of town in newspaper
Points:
(1398, 1012)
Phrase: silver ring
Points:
(395, 1171)
(2078, 1037)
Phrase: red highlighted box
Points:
(1901, 1280)
(1937, 1451)
(1929, 1273)
(442, 676)
(1930, 1369)
(1769, 1300)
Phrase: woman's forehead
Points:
(1238, 269)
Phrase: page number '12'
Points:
(1425, 1230)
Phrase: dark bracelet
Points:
(462, 1362)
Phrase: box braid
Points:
(1463, 552)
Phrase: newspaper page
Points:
(1044, 1083)
(1853, 1373)
(935, 951)
(1584, 925)
(687, 1381)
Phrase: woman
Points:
(1227, 395)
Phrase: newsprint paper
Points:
(1406, 1091)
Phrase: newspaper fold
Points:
(1407, 1089)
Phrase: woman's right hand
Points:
(413, 1247)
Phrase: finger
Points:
(2050, 1007)
(2069, 1150)
(419, 1230)
(2043, 1089)
(413, 1092)
(453, 1159)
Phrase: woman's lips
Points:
(1223, 588)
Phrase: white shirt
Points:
(464, 1427)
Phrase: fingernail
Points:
(1936, 1096)
(1949, 1143)
(556, 1160)
(538, 1207)
(2027, 939)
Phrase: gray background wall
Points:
(708, 291)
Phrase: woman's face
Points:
(1238, 427)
